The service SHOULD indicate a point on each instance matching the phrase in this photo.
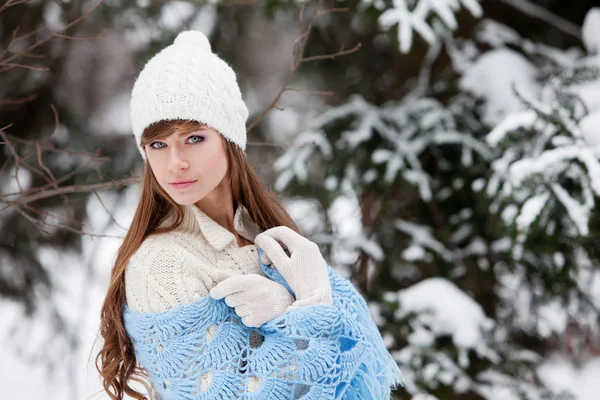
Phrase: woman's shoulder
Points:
(165, 272)
(157, 243)
(169, 245)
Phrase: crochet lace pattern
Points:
(201, 350)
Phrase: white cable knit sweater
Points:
(175, 268)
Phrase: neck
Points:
(218, 205)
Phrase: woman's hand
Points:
(304, 269)
(256, 298)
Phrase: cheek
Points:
(213, 166)
(158, 170)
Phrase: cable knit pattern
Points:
(175, 268)
(186, 80)
(200, 350)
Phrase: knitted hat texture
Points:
(186, 80)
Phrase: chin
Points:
(185, 200)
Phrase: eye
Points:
(155, 147)
(196, 139)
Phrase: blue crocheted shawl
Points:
(314, 352)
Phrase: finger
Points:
(287, 236)
(291, 308)
(236, 299)
(229, 286)
(218, 275)
(243, 310)
(273, 249)
(251, 322)
(264, 258)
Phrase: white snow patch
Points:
(559, 374)
(590, 126)
(531, 210)
(590, 31)
(446, 310)
(492, 78)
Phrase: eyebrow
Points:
(200, 128)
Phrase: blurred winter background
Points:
(444, 153)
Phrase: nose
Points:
(177, 160)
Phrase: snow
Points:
(542, 318)
(589, 91)
(345, 216)
(492, 77)
(496, 34)
(590, 31)
(175, 13)
(410, 128)
(531, 210)
(16, 180)
(579, 213)
(417, 18)
(114, 117)
(549, 163)
(498, 386)
(293, 163)
(560, 374)
(80, 285)
(445, 310)
(478, 184)
(52, 16)
(590, 126)
(205, 18)
(421, 235)
(414, 253)
(420, 179)
(552, 319)
(307, 215)
(523, 119)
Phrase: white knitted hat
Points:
(186, 80)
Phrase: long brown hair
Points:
(116, 361)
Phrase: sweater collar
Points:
(218, 236)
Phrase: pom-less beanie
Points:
(186, 80)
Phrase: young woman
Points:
(214, 292)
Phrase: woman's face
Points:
(188, 165)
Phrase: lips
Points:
(182, 184)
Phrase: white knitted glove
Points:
(256, 299)
(305, 269)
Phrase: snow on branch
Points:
(406, 130)
(417, 18)
(548, 166)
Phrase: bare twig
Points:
(341, 52)
(298, 58)
(52, 188)
(22, 100)
(49, 147)
(58, 35)
(11, 3)
(108, 212)
(15, 38)
(315, 92)
(333, 10)
(41, 225)
(72, 189)
(8, 66)
(15, 156)
(7, 62)
(46, 214)
(536, 11)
